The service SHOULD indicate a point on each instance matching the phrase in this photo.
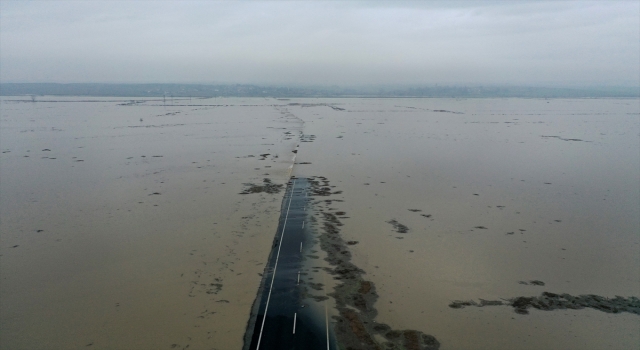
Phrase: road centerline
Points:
(273, 276)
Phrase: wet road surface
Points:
(281, 320)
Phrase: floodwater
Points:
(123, 225)
(129, 226)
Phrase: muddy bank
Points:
(548, 301)
(355, 325)
(266, 187)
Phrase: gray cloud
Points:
(472, 42)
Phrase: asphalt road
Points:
(281, 319)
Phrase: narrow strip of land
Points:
(280, 319)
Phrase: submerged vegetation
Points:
(266, 187)
(551, 301)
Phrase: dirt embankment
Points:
(355, 326)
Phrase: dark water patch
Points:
(213, 288)
(445, 111)
(307, 138)
(400, 228)
(563, 139)
(459, 304)
(532, 283)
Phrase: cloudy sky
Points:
(567, 43)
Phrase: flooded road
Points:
(281, 318)
(149, 224)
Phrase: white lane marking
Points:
(295, 316)
(273, 277)
(300, 247)
(293, 161)
(298, 277)
(326, 313)
(303, 224)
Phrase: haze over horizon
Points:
(550, 43)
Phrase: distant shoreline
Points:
(246, 90)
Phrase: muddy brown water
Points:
(147, 242)
(123, 225)
(500, 202)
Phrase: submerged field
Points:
(148, 223)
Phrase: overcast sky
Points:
(570, 43)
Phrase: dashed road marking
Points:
(326, 312)
(295, 316)
(273, 277)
